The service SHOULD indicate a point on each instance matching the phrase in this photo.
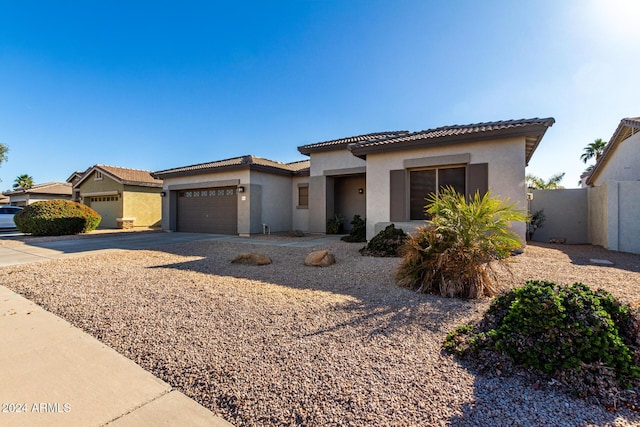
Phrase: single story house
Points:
(243, 195)
(124, 197)
(39, 192)
(383, 177)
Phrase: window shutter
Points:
(477, 179)
(398, 192)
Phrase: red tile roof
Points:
(335, 144)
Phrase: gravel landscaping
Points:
(286, 344)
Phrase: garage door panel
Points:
(208, 210)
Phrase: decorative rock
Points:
(600, 261)
(320, 259)
(295, 233)
(250, 258)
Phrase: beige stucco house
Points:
(39, 192)
(383, 177)
(124, 197)
(614, 191)
(242, 195)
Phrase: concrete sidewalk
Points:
(53, 374)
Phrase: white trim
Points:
(100, 193)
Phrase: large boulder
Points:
(251, 258)
(320, 259)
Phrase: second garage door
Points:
(208, 210)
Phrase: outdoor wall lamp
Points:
(360, 190)
(241, 189)
(163, 194)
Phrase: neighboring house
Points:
(614, 193)
(39, 192)
(383, 177)
(4, 200)
(124, 197)
(242, 195)
(604, 213)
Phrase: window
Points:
(423, 183)
(98, 176)
(303, 197)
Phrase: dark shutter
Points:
(477, 179)
(398, 211)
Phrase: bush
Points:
(569, 331)
(57, 218)
(334, 225)
(451, 256)
(359, 231)
(386, 243)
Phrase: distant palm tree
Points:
(23, 181)
(592, 150)
(540, 184)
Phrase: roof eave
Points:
(609, 148)
(537, 131)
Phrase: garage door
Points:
(208, 210)
(109, 209)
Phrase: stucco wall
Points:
(506, 174)
(300, 215)
(142, 203)
(276, 197)
(334, 160)
(623, 164)
(598, 218)
(566, 213)
(629, 206)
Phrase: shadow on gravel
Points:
(513, 400)
(369, 281)
(582, 254)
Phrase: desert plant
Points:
(535, 221)
(334, 225)
(56, 217)
(359, 231)
(452, 255)
(386, 243)
(555, 329)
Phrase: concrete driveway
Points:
(26, 252)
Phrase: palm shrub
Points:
(452, 255)
(57, 218)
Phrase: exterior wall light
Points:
(241, 189)
(360, 190)
(163, 194)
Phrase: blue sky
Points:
(156, 85)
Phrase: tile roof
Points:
(127, 176)
(248, 161)
(57, 188)
(131, 176)
(533, 129)
(626, 128)
(335, 144)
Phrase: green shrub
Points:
(359, 231)
(555, 328)
(334, 225)
(451, 256)
(386, 243)
(56, 218)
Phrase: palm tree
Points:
(3, 153)
(540, 184)
(592, 150)
(23, 181)
(453, 255)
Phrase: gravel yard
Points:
(286, 344)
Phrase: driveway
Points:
(26, 252)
